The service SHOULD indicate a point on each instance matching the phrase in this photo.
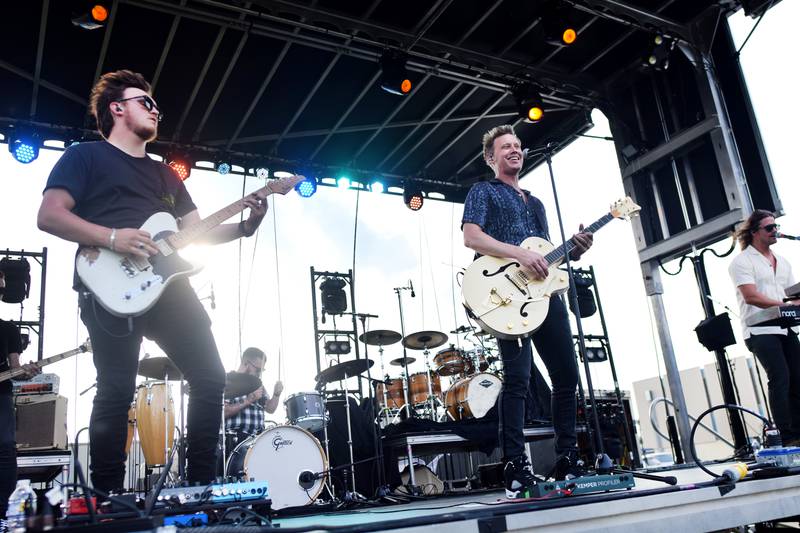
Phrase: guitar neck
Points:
(187, 235)
(11, 374)
(556, 257)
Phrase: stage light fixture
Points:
(181, 164)
(377, 186)
(343, 182)
(412, 197)
(224, 168)
(596, 354)
(307, 187)
(394, 76)
(262, 173)
(530, 105)
(24, 148)
(95, 16)
(658, 58)
(337, 347)
(558, 25)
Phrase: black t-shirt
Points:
(116, 190)
(10, 342)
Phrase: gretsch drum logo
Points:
(279, 442)
(486, 383)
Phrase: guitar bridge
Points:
(519, 281)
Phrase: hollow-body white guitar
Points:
(127, 285)
(507, 300)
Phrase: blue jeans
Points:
(553, 341)
(180, 326)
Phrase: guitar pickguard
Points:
(166, 266)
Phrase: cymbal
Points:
(483, 333)
(159, 368)
(422, 340)
(347, 369)
(402, 361)
(380, 337)
(462, 329)
(239, 384)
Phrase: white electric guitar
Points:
(16, 372)
(507, 300)
(128, 285)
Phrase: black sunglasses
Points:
(148, 104)
(772, 227)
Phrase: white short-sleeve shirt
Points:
(750, 267)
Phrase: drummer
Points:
(245, 414)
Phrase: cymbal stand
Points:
(385, 406)
(431, 397)
(349, 432)
(376, 428)
(406, 385)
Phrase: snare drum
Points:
(418, 387)
(280, 456)
(449, 362)
(307, 410)
(155, 420)
(394, 393)
(473, 396)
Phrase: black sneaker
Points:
(519, 478)
(568, 466)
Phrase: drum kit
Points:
(473, 390)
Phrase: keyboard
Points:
(785, 316)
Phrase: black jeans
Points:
(553, 341)
(780, 357)
(181, 327)
(8, 451)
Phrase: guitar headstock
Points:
(624, 207)
(284, 185)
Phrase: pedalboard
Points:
(214, 493)
(583, 485)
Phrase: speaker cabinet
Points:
(41, 422)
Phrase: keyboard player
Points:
(761, 277)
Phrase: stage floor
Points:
(651, 506)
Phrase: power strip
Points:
(780, 456)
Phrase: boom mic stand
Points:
(406, 382)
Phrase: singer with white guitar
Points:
(761, 277)
(498, 216)
(99, 195)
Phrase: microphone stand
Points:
(406, 382)
(372, 403)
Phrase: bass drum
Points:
(280, 456)
(472, 397)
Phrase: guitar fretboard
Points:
(557, 256)
(186, 236)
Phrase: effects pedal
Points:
(779, 456)
(583, 485)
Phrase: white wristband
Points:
(112, 239)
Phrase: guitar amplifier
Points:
(41, 422)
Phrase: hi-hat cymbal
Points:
(239, 384)
(423, 340)
(402, 361)
(348, 369)
(159, 368)
(380, 337)
(462, 329)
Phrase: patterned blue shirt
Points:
(502, 214)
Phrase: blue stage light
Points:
(224, 168)
(343, 182)
(307, 187)
(377, 186)
(23, 149)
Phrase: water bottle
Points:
(21, 505)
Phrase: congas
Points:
(394, 393)
(307, 410)
(418, 387)
(449, 362)
(155, 420)
(473, 396)
(288, 459)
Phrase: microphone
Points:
(790, 237)
(212, 298)
(411, 286)
(307, 478)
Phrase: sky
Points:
(262, 287)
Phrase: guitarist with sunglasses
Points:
(10, 348)
(498, 216)
(97, 195)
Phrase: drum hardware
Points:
(402, 361)
(462, 329)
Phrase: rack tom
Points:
(418, 387)
(449, 362)
(394, 393)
